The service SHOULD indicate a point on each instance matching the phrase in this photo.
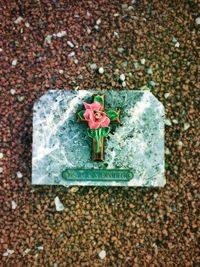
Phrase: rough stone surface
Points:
(60, 142)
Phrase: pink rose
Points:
(95, 117)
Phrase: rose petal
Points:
(87, 106)
(96, 106)
(93, 125)
(106, 122)
(103, 118)
(87, 114)
(92, 116)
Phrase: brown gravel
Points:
(135, 226)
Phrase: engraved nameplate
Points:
(97, 174)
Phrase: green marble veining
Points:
(60, 143)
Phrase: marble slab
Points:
(134, 151)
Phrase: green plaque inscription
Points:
(120, 175)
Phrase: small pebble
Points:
(1, 169)
(124, 84)
(61, 71)
(40, 248)
(167, 151)
(48, 39)
(155, 195)
(12, 92)
(137, 18)
(130, 8)
(102, 254)
(149, 71)
(26, 251)
(125, 64)
(186, 126)
(116, 72)
(88, 30)
(177, 44)
(14, 62)
(120, 49)
(142, 61)
(20, 98)
(93, 66)
(1, 155)
(168, 122)
(1, 50)
(74, 189)
(124, 6)
(101, 70)
(19, 174)
(8, 252)
(175, 121)
(58, 204)
(27, 24)
(13, 204)
(76, 61)
(61, 34)
(179, 143)
(70, 44)
(98, 22)
(151, 83)
(122, 77)
(72, 54)
(166, 95)
(144, 87)
(174, 40)
(18, 20)
(136, 65)
(88, 13)
(197, 20)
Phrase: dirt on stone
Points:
(61, 45)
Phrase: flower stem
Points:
(98, 140)
(99, 145)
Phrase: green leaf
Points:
(105, 131)
(81, 114)
(99, 99)
(92, 133)
(112, 114)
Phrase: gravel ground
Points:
(56, 44)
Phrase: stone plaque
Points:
(117, 143)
